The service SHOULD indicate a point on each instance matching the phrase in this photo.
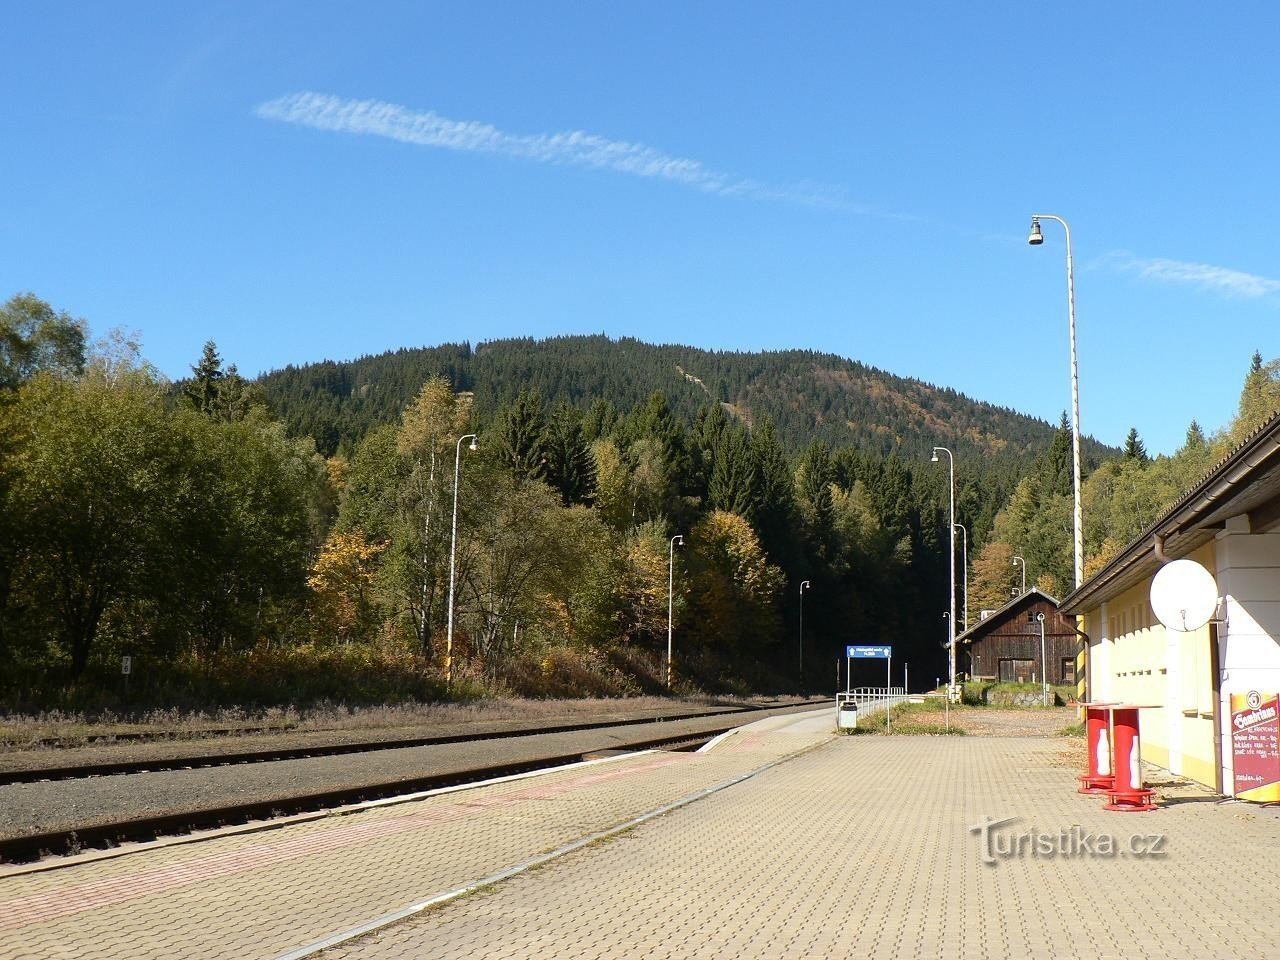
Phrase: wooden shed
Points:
(1005, 644)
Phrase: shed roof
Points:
(989, 623)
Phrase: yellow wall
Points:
(1137, 661)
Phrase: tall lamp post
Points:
(453, 550)
(1044, 667)
(951, 528)
(804, 585)
(964, 570)
(1036, 238)
(1019, 561)
(671, 581)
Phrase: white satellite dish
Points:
(1184, 595)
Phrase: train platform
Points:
(782, 840)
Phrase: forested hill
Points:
(807, 394)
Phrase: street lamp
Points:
(804, 585)
(964, 569)
(1044, 670)
(951, 620)
(1036, 238)
(671, 580)
(1019, 560)
(453, 549)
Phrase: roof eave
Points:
(1178, 524)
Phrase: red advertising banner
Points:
(1255, 745)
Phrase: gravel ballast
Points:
(34, 808)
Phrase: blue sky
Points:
(307, 180)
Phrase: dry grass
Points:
(931, 717)
(71, 728)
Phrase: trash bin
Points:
(846, 712)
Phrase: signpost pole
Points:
(888, 690)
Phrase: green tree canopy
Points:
(35, 338)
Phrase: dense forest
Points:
(449, 522)
(807, 395)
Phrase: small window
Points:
(1068, 669)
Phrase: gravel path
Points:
(63, 805)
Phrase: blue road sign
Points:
(868, 653)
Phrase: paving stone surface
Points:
(261, 894)
(848, 847)
(862, 849)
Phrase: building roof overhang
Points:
(1246, 483)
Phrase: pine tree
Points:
(1134, 448)
(1054, 468)
(776, 493)
(521, 437)
(1195, 439)
(571, 469)
(813, 483)
(205, 385)
(733, 485)
(1259, 399)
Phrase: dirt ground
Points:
(1000, 722)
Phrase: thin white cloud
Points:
(1234, 283)
(575, 147)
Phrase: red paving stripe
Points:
(57, 903)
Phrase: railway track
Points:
(199, 760)
(106, 835)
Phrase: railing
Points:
(869, 700)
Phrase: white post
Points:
(964, 571)
(671, 579)
(951, 529)
(453, 546)
(1044, 667)
(804, 585)
(888, 691)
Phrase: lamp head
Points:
(1040, 617)
(472, 445)
(678, 540)
(1035, 238)
(934, 458)
(804, 585)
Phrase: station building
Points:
(1005, 645)
(1212, 693)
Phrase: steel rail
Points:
(110, 834)
(195, 761)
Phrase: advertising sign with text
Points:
(1255, 746)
